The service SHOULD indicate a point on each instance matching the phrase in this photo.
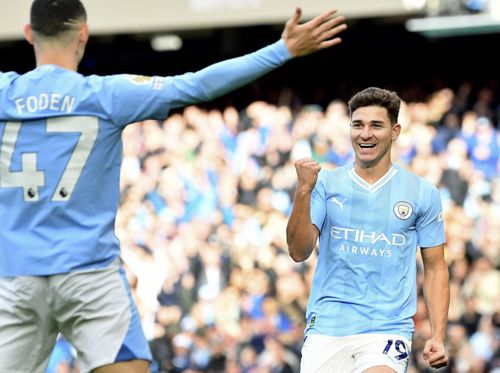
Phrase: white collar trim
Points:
(372, 188)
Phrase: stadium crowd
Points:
(205, 200)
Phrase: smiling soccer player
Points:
(363, 295)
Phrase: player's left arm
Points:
(297, 40)
(154, 97)
(437, 300)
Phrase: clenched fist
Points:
(307, 173)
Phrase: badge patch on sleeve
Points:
(312, 321)
(155, 82)
(140, 79)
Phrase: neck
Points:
(63, 56)
(372, 173)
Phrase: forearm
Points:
(437, 299)
(226, 76)
(299, 230)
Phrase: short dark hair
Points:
(51, 17)
(374, 96)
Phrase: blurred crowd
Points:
(205, 200)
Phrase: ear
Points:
(396, 130)
(83, 37)
(28, 33)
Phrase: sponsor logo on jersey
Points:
(365, 250)
(403, 210)
(361, 236)
(338, 202)
(360, 242)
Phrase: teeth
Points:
(367, 145)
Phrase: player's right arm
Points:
(301, 234)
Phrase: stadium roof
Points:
(132, 16)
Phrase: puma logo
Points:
(337, 202)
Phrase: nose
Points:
(366, 133)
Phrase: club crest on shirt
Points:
(403, 210)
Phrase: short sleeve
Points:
(430, 224)
(318, 205)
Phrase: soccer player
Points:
(370, 218)
(60, 156)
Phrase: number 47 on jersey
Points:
(29, 178)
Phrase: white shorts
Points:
(354, 354)
(92, 309)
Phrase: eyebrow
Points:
(372, 121)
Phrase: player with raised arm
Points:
(370, 218)
(60, 157)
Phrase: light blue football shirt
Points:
(365, 279)
(61, 151)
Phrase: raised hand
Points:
(314, 35)
(307, 173)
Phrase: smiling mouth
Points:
(366, 146)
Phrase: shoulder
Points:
(4, 74)
(7, 77)
(128, 83)
(413, 179)
(331, 177)
(103, 85)
(335, 172)
(425, 194)
(329, 173)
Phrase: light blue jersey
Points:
(365, 280)
(61, 151)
